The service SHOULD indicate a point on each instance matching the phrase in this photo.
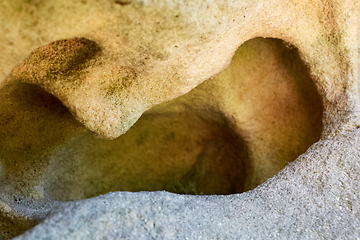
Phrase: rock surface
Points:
(105, 96)
(315, 197)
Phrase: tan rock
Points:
(134, 72)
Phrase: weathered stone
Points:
(93, 68)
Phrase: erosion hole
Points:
(226, 136)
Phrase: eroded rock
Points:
(107, 64)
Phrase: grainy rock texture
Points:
(106, 96)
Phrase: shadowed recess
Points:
(228, 135)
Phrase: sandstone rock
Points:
(134, 72)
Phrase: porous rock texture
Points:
(103, 97)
